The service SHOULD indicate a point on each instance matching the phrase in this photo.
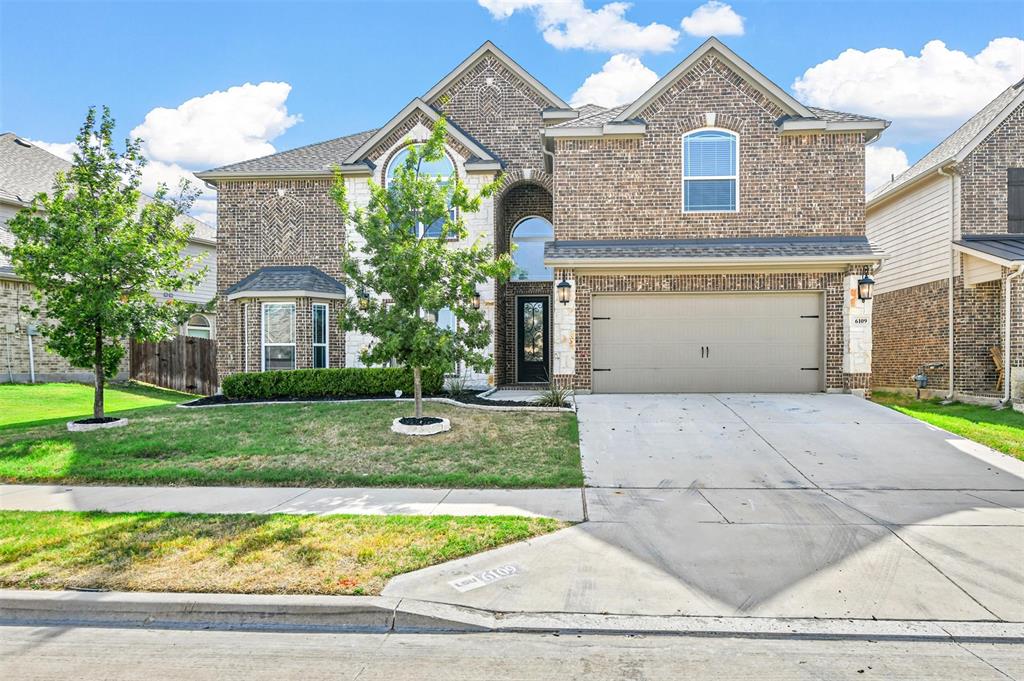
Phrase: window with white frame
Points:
(442, 169)
(710, 171)
(198, 326)
(278, 336)
(320, 336)
(529, 237)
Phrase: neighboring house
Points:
(952, 226)
(707, 237)
(25, 171)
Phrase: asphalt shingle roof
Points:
(294, 278)
(27, 170)
(712, 248)
(591, 116)
(318, 156)
(954, 144)
(1004, 246)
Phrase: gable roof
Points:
(490, 48)
(591, 115)
(318, 157)
(27, 170)
(960, 143)
(481, 155)
(713, 45)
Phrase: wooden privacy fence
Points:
(183, 363)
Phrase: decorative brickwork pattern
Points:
(242, 225)
(809, 185)
(829, 283)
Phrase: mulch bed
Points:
(468, 397)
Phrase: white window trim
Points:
(538, 239)
(263, 335)
(326, 345)
(420, 227)
(208, 328)
(682, 168)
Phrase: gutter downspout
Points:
(952, 275)
(1008, 291)
(31, 359)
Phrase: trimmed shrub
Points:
(319, 383)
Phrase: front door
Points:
(532, 339)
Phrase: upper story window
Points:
(529, 237)
(1015, 200)
(442, 169)
(710, 171)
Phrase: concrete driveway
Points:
(770, 506)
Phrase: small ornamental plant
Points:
(415, 263)
(94, 254)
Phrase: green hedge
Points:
(316, 383)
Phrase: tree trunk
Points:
(97, 402)
(417, 390)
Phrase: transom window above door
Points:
(442, 168)
(710, 171)
(528, 238)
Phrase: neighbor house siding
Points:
(913, 231)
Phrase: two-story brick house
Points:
(707, 237)
(952, 226)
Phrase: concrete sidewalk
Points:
(563, 504)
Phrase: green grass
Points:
(238, 553)
(1001, 430)
(43, 403)
(318, 445)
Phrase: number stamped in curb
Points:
(470, 582)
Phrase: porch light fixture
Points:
(364, 299)
(864, 287)
(563, 291)
(476, 300)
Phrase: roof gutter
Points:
(293, 293)
(212, 176)
(899, 190)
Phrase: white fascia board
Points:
(785, 100)
(238, 295)
(348, 169)
(987, 256)
(482, 166)
(509, 63)
(607, 130)
(559, 114)
(992, 125)
(898, 190)
(682, 263)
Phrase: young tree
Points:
(419, 274)
(94, 255)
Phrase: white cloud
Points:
(568, 24)
(65, 150)
(621, 80)
(926, 95)
(219, 128)
(881, 165)
(713, 18)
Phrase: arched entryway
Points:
(523, 305)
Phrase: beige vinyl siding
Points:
(7, 212)
(913, 231)
(978, 270)
(207, 288)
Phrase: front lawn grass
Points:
(315, 445)
(272, 554)
(33, 405)
(1002, 430)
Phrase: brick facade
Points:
(911, 330)
(262, 223)
(983, 177)
(810, 185)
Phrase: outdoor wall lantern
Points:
(563, 291)
(364, 299)
(864, 287)
(476, 300)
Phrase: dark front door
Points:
(532, 339)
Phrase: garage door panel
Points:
(764, 342)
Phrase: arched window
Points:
(198, 326)
(442, 168)
(710, 171)
(529, 237)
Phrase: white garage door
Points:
(728, 342)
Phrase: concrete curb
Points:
(383, 614)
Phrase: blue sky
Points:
(332, 68)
